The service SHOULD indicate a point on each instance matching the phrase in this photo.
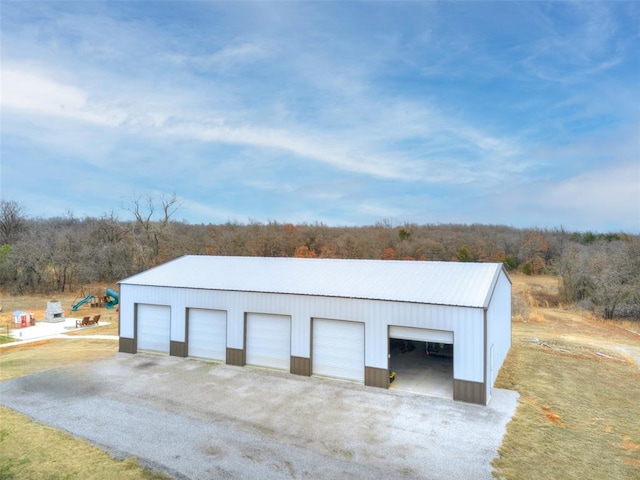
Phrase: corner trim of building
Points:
(376, 377)
(127, 345)
(301, 366)
(470, 392)
(236, 356)
(186, 332)
(177, 349)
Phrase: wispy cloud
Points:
(34, 93)
(225, 58)
(579, 42)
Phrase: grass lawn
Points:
(22, 359)
(5, 339)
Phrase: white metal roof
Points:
(441, 283)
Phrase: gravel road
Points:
(199, 420)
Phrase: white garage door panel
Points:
(421, 334)
(269, 340)
(154, 327)
(338, 349)
(208, 334)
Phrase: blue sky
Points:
(346, 113)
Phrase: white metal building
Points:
(328, 317)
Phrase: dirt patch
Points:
(551, 416)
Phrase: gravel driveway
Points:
(199, 420)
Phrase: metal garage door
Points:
(338, 349)
(268, 340)
(208, 334)
(421, 334)
(154, 327)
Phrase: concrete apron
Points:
(193, 419)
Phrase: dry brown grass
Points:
(631, 326)
(22, 359)
(578, 412)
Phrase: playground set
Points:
(109, 300)
(54, 314)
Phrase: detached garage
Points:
(325, 317)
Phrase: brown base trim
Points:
(177, 349)
(236, 356)
(127, 345)
(376, 377)
(470, 392)
(301, 366)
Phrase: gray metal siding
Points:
(128, 294)
(498, 330)
(466, 323)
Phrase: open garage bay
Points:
(418, 372)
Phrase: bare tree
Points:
(12, 221)
(150, 232)
(603, 273)
(106, 250)
(28, 259)
(614, 276)
(573, 269)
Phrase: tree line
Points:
(41, 255)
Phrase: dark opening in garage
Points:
(422, 367)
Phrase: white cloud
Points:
(379, 211)
(610, 195)
(28, 91)
(204, 212)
